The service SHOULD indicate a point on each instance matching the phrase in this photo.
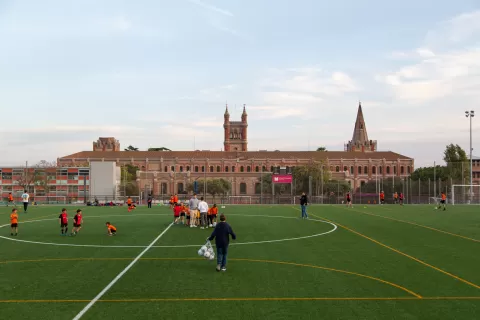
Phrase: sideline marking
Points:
(414, 224)
(405, 255)
(233, 259)
(247, 299)
(94, 300)
(172, 246)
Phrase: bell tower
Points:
(235, 132)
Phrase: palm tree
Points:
(159, 149)
(321, 149)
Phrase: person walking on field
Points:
(221, 234)
(25, 200)
(203, 208)
(193, 205)
(303, 204)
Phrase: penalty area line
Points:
(120, 275)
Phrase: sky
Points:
(159, 73)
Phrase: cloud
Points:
(440, 69)
(211, 7)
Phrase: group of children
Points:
(191, 218)
(63, 221)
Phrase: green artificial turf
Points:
(381, 262)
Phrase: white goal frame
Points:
(472, 197)
(248, 198)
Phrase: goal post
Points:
(239, 199)
(465, 194)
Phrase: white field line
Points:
(100, 295)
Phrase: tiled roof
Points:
(316, 155)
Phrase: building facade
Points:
(166, 172)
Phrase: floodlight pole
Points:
(470, 114)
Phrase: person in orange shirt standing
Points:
(382, 197)
(443, 201)
(175, 199)
(395, 198)
(212, 215)
(14, 222)
(171, 202)
(10, 199)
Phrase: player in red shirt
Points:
(349, 200)
(176, 212)
(401, 199)
(63, 220)
(77, 222)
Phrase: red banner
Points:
(282, 178)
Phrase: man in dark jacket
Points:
(303, 204)
(221, 234)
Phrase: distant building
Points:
(173, 170)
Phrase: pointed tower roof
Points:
(244, 110)
(360, 131)
(226, 110)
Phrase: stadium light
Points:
(470, 114)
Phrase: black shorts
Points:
(182, 214)
(14, 225)
(349, 200)
(113, 231)
(10, 201)
(76, 225)
(64, 225)
(188, 217)
(442, 201)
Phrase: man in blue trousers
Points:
(221, 234)
(303, 204)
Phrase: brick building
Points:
(171, 171)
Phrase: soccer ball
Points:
(203, 248)
(214, 224)
(207, 255)
(211, 225)
(212, 256)
(200, 252)
(223, 207)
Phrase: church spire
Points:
(226, 109)
(244, 114)
(360, 141)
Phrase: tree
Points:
(456, 158)
(131, 148)
(46, 171)
(159, 149)
(430, 173)
(302, 175)
(214, 187)
(321, 149)
(129, 180)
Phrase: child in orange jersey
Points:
(111, 230)
(14, 222)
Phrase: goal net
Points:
(49, 200)
(240, 200)
(465, 194)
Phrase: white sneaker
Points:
(211, 226)
(202, 228)
(224, 269)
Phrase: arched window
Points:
(181, 168)
(211, 168)
(196, 168)
(337, 169)
(243, 188)
(351, 170)
(188, 168)
(374, 170)
(249, 169)
(218, 169)
(233, 168)
(359, 170)
(362, 183)
(241, 169)
(388, 169)
(165, 169)
(258, 189)
(409, 169)
(226, 168)
(264, 169)
(271, 169)
(402, 170)
(257, 169)
(203, 168)
(365, 170)
(172, 168)
(345, 169)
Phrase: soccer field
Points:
(378, 262)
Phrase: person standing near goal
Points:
(203, 208)
(443, 202)
(25, 200)
(193, 205)
(303, 205)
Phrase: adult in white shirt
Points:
(25, 200)
(203, 208)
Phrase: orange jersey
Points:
(112, 228)
(185, 209)
(10, 198)
(213, 210)
(171, 199)
(13, 218)
(175, 199)
(382, 195)
(129, 201)
(395, 196)
(444, 196)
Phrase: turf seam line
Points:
(404, 254)
(94, 300)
